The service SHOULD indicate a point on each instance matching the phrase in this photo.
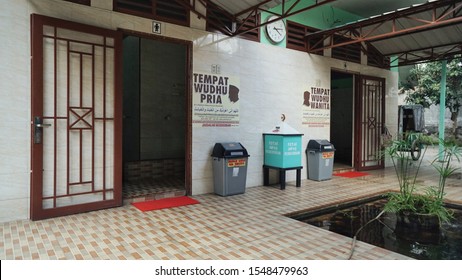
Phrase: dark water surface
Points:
(445, 245)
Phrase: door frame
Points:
(358, 127)
(37, 82)
(188, 96)
(353, 97)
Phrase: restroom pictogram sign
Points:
(156, 27)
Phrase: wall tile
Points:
(15, 185)
(15, 209)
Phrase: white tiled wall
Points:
(15, 111)
(272, 82)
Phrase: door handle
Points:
(41, 125)
(38, 129)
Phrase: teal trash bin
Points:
(283, 147)
(282, 152)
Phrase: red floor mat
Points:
(351, 174)
(164, 203)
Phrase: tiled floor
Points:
(250, 226)
(149, 189)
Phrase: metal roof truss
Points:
(420, 33)
(241, 18)
(402, 25)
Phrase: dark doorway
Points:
(341, 128)
(155, 122)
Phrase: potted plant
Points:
(419, 209)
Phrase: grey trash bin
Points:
(229, 168)
(320, 157)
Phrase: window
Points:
(218, 19)
(375, 58)
(250, 24)
(164, 10)
(350, 52)
(222, 21)
(296, 37)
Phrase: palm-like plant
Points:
(442, 163)
(431, 202)
(406, 170)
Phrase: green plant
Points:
(450, 152)
(430, 202)
(423, 86)
(406, 169)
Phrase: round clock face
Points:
(276, 30)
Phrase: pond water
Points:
(347, 219)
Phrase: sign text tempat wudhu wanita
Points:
(316, 107)
(319, 98)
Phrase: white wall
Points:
(272, 82)
(15, 111)
(432, 117)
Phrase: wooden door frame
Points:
(188, 96)
(358, 92)
(36, 209)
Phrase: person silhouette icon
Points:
(306, 98)
(233, 93)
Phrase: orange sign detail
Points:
(236, 162)
(327, 155)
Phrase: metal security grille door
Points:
(370, 117)
(76, 124)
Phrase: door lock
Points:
(38, 129)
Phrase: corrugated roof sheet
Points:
(430, 43)
(235, 7)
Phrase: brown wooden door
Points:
(369, 121)
(76, 118)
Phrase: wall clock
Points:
(276, 31)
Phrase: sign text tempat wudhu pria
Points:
(215, 100)
(210, 87)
